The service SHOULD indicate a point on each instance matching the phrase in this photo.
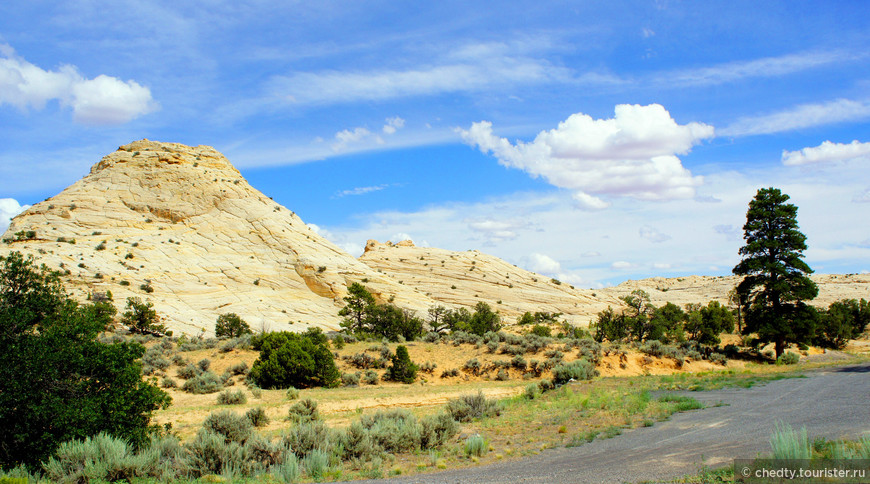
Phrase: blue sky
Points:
(590, 141)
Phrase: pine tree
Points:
(775, 283)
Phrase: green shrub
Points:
(292, 393)
(290, 359)
(288, 470)
(205, 382)
(357, 443)
(350, 379)
(788, 358)
(472, 366)
(168, 383)
(476, 445)
(653, 348)
(719, 358)
(316, 463)
(239, 369)
(541, 330)
(257, 416)
(189, 371)
(230, 325)
(532, 391)
(576, 370)
(436, 430)
(502, 375)
(305, 437)
(228, 397)
(304, 410)
(403, 369)
(469, 407)
(370, 377)
(211, 454)
(546, 385)
(101, 457)
(394, 430)
(231, 426)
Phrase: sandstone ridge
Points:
(183, 221)
(466, 278)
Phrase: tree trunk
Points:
(779, 347)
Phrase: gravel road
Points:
(831, 403)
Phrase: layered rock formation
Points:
(466, 278)
(700, 289)
(183, 221)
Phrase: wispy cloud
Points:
(764, 67)
(470, 68)
(798, 117)
(103, 100)
(360, 190)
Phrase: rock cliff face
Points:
(184, 222)
(466, 278)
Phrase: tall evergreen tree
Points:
(775, 283)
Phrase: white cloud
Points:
(347, 137)
(360, 190)
(764, 67)
(104, 100)
(621, 265)
(400, 236)
(647, 32)
(653, 235)
(496, 230)
(542, 264)
(630, 155)
(393, 124)
(470, 68)
(827, 152)
(803, 116)
(662, 265)
(9, 207)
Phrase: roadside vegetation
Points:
(86, 396)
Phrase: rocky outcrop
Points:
(466, 278)
(182, 221)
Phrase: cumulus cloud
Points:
(621, 265)
(652, 234)
(542, 264)
(393, 124)
(827, 152)
(803, 116)
(103, 100)
(9, 207)
(632, 154)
